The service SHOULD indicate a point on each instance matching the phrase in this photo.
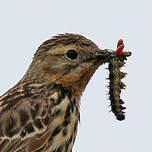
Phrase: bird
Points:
(41, 112)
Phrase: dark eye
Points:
(72, 54)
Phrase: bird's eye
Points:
(71, 54)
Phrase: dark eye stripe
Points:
(72, 54)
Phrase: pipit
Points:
(41, 112)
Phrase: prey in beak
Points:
(115, 63)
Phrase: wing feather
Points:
(20, 125)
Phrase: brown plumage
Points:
(41, 112)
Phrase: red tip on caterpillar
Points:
(120, 47)
(120, 42)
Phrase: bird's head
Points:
(67, 59)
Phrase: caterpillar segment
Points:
(116, 62)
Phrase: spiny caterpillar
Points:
(117, 60)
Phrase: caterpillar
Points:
(116, 62)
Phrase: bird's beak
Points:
(103, 55)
